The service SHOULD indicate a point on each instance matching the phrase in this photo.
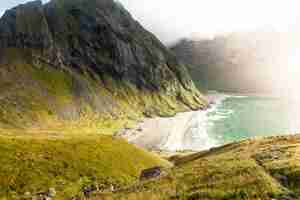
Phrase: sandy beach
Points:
(183, 132)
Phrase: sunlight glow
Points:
(171, 19)
(292, 73)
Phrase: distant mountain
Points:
(238, 62)
(79, 60)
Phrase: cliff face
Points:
(239, 62)
(93, 55)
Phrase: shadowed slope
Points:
(75, 60)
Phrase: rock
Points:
(49, 195)
(284, 180)
(52, 192)
(27, 194)
(150, 173)
(112, 188)
(99, 36)
(75, 198)
(87, 192)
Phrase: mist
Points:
(171, 20)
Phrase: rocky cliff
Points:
(85, 60)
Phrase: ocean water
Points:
(234, 118)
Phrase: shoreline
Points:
(247, 94)
(184, 133)
(174, 135)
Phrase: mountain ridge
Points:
(72, 74)
(99, 48)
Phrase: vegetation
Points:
(262, 169)
(42, 96)
(67, 163)
(57, 126)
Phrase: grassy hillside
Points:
(41, 96)
(53, 123)
(67, 163)
(72, 73)
(86, 64)
(52, 127)
(260, 169)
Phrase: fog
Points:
(173, 19)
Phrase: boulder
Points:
(151, 173)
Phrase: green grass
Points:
(245, 170)
(38, 162)
(40, 95)
(56, 126)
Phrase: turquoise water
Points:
(237, 118)
(232, 118)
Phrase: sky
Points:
(173, 19)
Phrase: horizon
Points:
(232, 16)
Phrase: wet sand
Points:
(183, 132)
(159, 133)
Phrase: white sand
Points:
(184, 132)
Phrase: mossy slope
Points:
(43, 96)
(254, 169)
(86, 62)
(36, 163)
(70, 73)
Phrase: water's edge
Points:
(183, 132)
(231, 117)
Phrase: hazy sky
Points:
(173, 19)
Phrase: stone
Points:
(150, 173)
(52, 192)
(103, 38)
(87, 192)
(112, 188)
(27, 194)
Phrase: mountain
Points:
(239, 62)
(87, 62)
(72, 73)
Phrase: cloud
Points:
(174, 19)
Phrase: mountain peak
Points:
(97, 40)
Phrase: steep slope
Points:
(72, 69)
(88, 62)
(239, 62)
(265, 169)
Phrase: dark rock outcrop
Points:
(98, 34)
(150, 173)
(100, 41)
